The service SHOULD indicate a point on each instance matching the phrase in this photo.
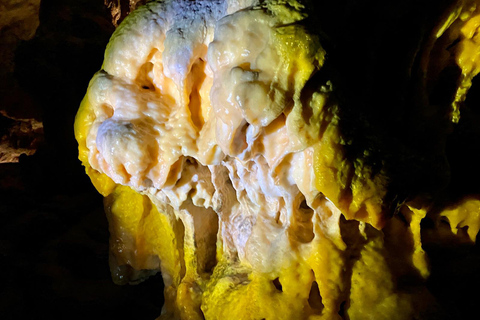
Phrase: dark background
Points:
(53, 231)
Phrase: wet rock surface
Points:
(53, 230)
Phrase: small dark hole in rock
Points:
(445, 222)
(314, 298)
(453, 44)
(304, 205)
(427, 223)
(403, 219)
(341, 311)
(277, 284)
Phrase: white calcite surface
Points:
(200, 110)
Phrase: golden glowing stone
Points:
(223, 163)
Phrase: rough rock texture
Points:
(257, 186)
(18, 136)
(53, 231)
(21, 129)
(53, 234)
(121, 8)
(19, 20)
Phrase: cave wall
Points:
(53, 230)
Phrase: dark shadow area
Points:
(54, 258)
(53, 231)
(397, 113)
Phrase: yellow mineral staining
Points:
(414, 217)
(373, 294)
(350, 186)
(464, 216)
(459, 32)
(467, 54)
(249, 211)
(83, 121)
